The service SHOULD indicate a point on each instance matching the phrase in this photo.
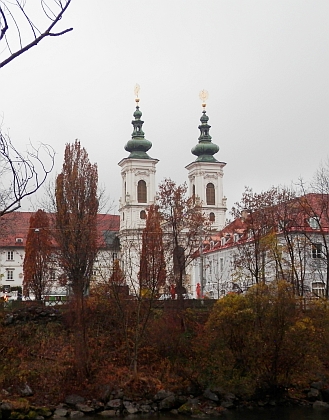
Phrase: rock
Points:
(26, 391)
(320, 405)
(210, 395)
(317, 385)
(116, 403)
(74, 399)
(162, 394)
(227, 404)
(44, 412)
(168, 403)
(86, 409)
(6, 406)
(313, 394)
(189, 409)
(130, 407)
(108, 413)
(60, 412)
(75, 414)
(145, 408)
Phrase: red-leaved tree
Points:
(37, 266)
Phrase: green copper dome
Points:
(138, 145)
(205, 149)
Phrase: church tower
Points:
(205, 174)
(138, 178)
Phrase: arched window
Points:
(210, 194)
(141, 192)
(193, 194)
(212, 217)
(142, 214)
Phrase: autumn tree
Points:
(259, 341)
(152, 275)
(184, 226)
(76, 230)
(135, 313)
(274, 245)
(37, 266)
(315, 204)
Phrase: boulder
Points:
(168, 403)
(75, 414)
(26, 391)
(320, 405)
(209, 395)
(108, 413)
(115, 403)
(162, 394)
(313, 394)
(74, 399)
(60, 412)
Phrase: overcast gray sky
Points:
(265, 64)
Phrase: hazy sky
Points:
(265, 64)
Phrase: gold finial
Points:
(136, 91)
(204, 95)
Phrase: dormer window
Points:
(314, 222)
(19, 240)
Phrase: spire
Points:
(205, 149)
(138, 145)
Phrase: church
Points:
(138, 193)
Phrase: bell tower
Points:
(205, 174)
(138, 177)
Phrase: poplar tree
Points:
(76, 233)
(37, 266)
(152, 273)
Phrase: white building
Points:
(296, 251)
(138, 192)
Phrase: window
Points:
(142, 214)
(314, 222)
(318, 289)
(52, 275)
(317, 250)
(10, 255)
(210, 194)
(141, 192)
(193, 194)
(212, 217)
(10, 274)
(221, 264)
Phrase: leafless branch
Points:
(22, 175)
(16, 10)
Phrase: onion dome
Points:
(138, 145)
(205, 149)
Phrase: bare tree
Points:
(24, 24)
(21, 175)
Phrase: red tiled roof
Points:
(14, 226)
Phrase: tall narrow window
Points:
(210, 194)
(317, 250)
(193, 194)
(10, 255)
(212, 217)
(141, 192)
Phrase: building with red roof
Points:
(14, 228)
